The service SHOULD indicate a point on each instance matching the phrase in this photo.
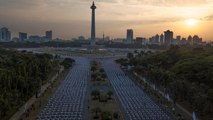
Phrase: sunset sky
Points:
(71, 18)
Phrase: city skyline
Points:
(146, 18)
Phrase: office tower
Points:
(168, 37)
(48, 35)
(5, 35)
(183, 41)
(178, 39)
(22, 37)
(161, 39)
(93, 38)
(129, 36)
(197, 39)
(157, 37)
(190, 40)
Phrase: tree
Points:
(142, 53)
(96, 111)
(93, 68)
(103, 76)
(21, 76)
(130, 55)
(115, 115)
(106, 116)
(110, 93)
(98, 78)
(102, 70)
(184, 73)
(67, 63)
(95, 94)
(94, 76)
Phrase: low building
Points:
(22, 37)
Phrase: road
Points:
(68, 102)
(135, 103)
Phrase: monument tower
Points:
(93, 7)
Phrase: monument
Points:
(93, 38)
(93, 46)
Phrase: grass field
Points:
(84, 53)
(103, 103)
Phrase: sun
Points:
(191, 22)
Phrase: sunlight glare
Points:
(191, 22)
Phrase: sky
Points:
(72, 18)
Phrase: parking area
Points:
(68, 102)
(135, 103)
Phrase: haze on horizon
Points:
(72, 18)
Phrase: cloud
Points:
(208, 18)
(167, 2)
(184, 2)
(159, 2)
(19, 4)
(146, 21)
(101, 1)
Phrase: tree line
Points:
(185, 74)
(21, 76)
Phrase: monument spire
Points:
(93, 37)
(103, 36)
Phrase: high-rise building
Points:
(161, 39)
(183, 41)
(190, 40)
(5, 35)
(178, 40)
(157, 37)
(129, 36)
(93, 37)
(168, 37)
(22, 37)
(49, 35)
(196, 39)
